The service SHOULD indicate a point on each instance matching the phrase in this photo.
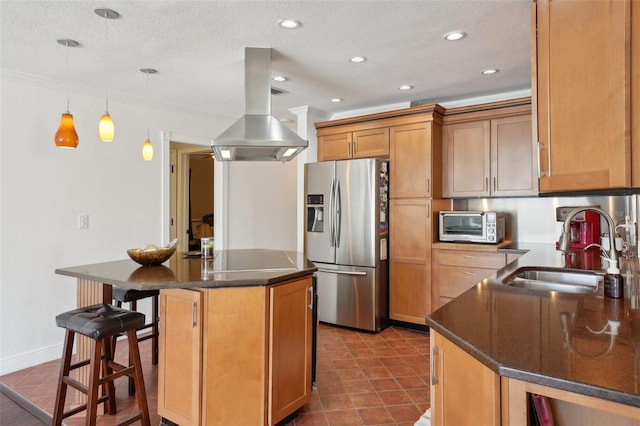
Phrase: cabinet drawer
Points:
(455, 280)
(476, 259)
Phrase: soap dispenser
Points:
(613, 281)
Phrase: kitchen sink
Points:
(555, 279)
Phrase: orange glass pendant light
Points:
(66, 136)
(147, 147)
(106, 128)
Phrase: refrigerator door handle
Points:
(338, 225)
(330, 218)
(331, 271)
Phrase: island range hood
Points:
(257, 136)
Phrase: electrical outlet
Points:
(83, 221)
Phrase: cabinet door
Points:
(180, 356)
(465, 156)
(334, 147)
(410, 260)
(512, 157)
(290, 337)
(410, 160)
(463, 390)
(371, 143)
(583, 87)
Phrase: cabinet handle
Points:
(428, 185)
(434, 353)
(194, 318)
(310, 305)
(355, 147)
(486, 184)
(349, 149)
(470, 273)
(540, 148)
(495, 184)
(467, 256)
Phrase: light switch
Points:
(83, 221)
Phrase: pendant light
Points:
(105, 126)
(66, 136)
(147, 147)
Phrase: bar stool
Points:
(100, 323)
(131, 297)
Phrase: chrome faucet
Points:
(563, 242)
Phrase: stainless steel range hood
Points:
(257, 136)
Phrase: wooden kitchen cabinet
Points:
(456, 271)
(415, 160)
(463, 390)
(180, 363)
(488, 151)
(235, 355)
(358, 144)
(582, 88)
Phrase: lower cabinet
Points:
(463, 390)
(410, 255)
(466, 392)
(238, 355)
(456, 271)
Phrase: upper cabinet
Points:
(584, 56)
(488, 151)
(357, 144)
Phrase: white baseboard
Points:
(30, 359)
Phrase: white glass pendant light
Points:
(106, 129)
(147, 147)
(66, 136)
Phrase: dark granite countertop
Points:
(548, 338)
(229, 268)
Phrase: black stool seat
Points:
(100, 321)
(124, 295)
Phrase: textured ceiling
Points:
(198, 48)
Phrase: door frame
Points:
(178, 161)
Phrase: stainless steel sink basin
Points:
(555, 279)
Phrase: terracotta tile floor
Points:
(362, 379)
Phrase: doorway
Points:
(191, 194)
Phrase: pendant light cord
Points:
(148, 120)
(106, 61)
(67, 75)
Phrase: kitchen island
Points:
(235, 332)
(496, 344)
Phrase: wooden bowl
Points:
(153, 257)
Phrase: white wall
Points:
(44, 188)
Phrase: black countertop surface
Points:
(229, 268)
(549, 338)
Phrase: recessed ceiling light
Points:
(357, 59)
(336, 100)
(289, 24)
(490, 71)
(279, 78)
(455, 35)
(405, 87)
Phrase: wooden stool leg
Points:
(67, 352)
(133, 305)
(155, 331)
(108, 386)
(134, 355)
(94, 381)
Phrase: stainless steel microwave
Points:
(472, 226)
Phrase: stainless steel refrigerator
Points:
(346, 236)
